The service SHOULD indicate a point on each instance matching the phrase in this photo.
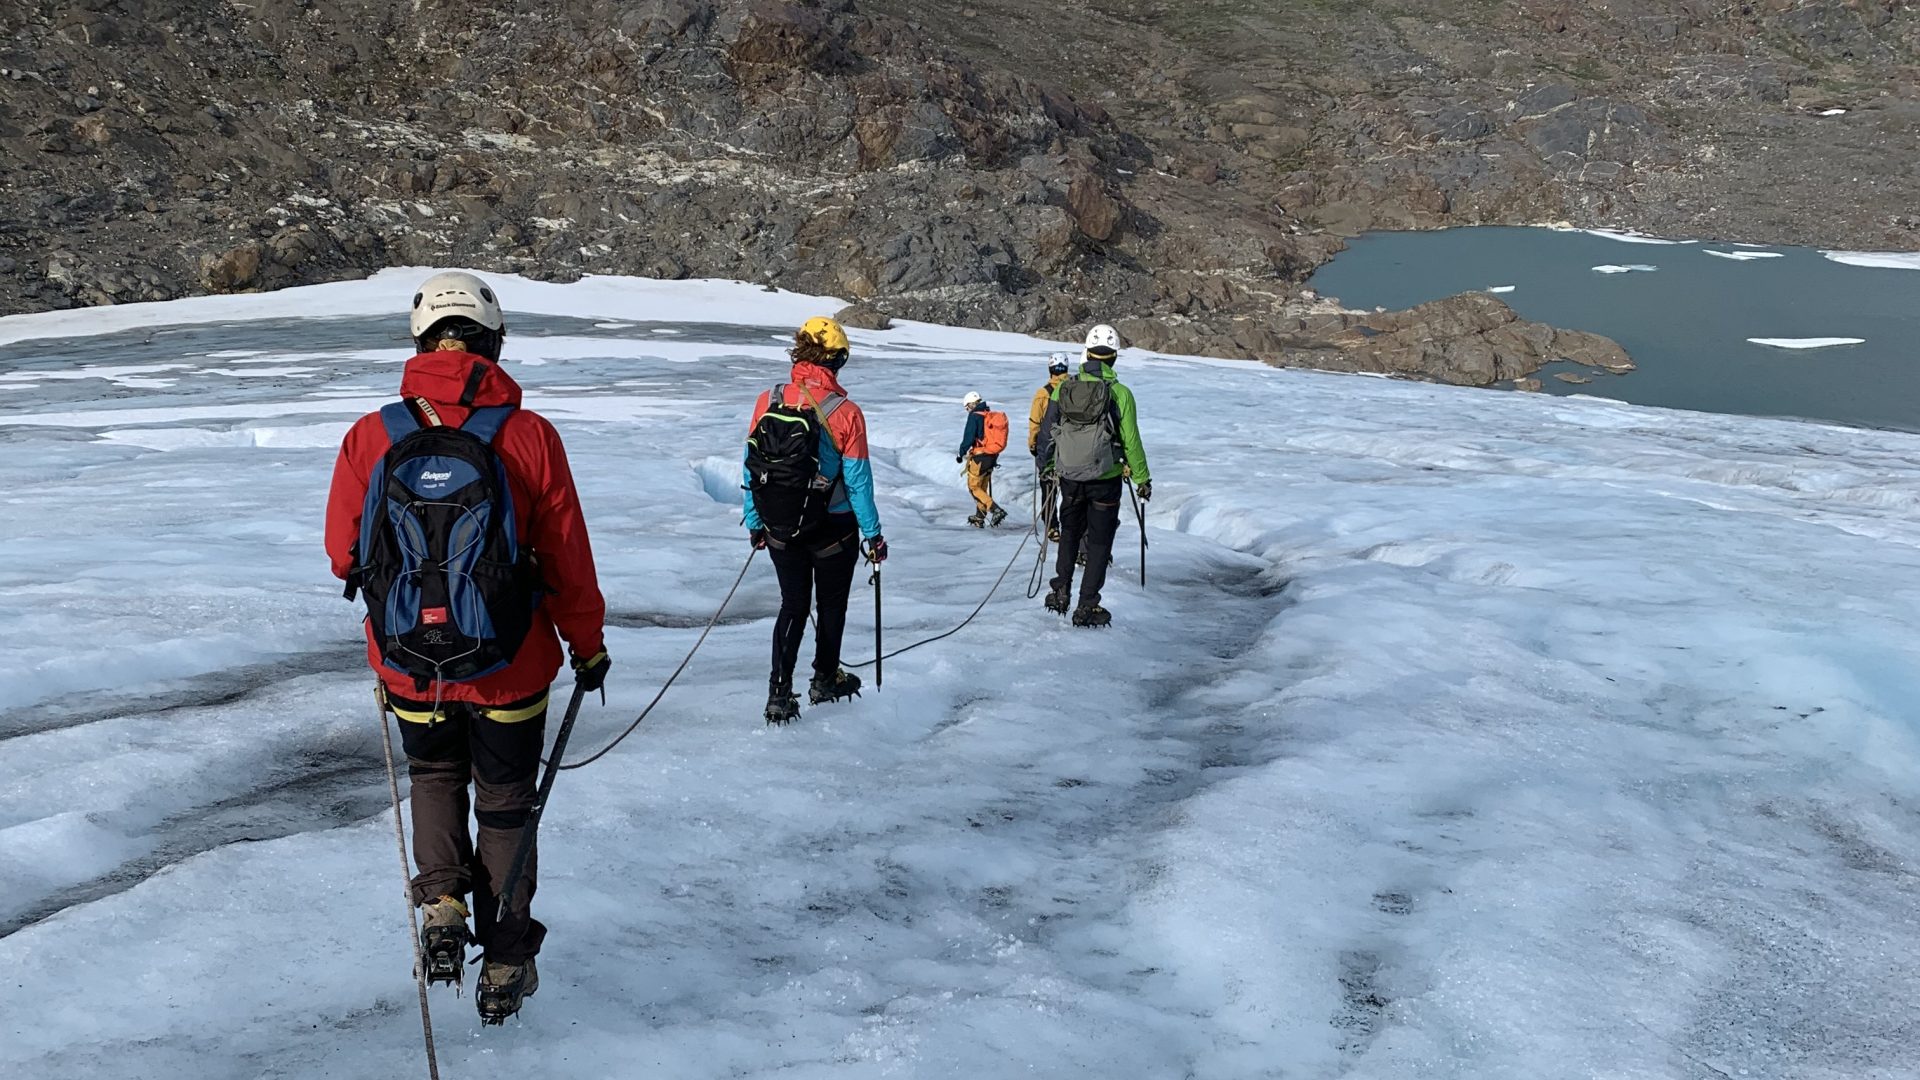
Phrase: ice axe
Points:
(879, 652)
(516, 870)
(1140, 515)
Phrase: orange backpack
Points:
(993, 438)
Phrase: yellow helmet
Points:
(825, 333)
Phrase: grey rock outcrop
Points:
(1179, 169)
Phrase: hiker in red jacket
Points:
(487, 726)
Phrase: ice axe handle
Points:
(879, 653)
(516, 870)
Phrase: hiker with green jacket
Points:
(1089, 441)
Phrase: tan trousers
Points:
(980, 484)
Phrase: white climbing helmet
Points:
(444, 296)
(1057, 364)
(1103, 338)
(973, 398)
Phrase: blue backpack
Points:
(450, 592)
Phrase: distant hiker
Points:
(980, 447)
(1089, 439)
(1037, 412)
(454, 511)
(809, 500)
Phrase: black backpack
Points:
(450, 592)
(783, 465)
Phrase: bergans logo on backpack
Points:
(450, 592)
(993, 434)
(1084, 438)
(790, 492)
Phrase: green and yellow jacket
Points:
(1126, 425)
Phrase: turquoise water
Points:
(1686, 322)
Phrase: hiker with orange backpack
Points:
(980, 447)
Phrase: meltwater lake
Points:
(1841, 331)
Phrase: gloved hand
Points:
(758, 538)
(1145, 490)
(877, 550)
(590, 673)
(958, 458)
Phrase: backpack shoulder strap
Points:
(484, 424)
(821, 412)
(830, 403)
(399, 420)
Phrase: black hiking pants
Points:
(809, 574)
(1089, 516)
(502, 761)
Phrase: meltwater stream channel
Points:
(1688, 312)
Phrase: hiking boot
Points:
(503, 987)
(996, 517)
(443, 939)
(783, 707)
(1058, 598)
(1092, 615)
(840, 684)
(978, 520)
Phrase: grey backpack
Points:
(1083, 437)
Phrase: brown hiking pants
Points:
(501, 758)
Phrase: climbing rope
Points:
(1043, 495)
(963, 623)
(881, 657)
(711, 623)
(406, 881)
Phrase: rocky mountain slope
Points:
(1177, 166)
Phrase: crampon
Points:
(502, 989)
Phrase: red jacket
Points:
(546, 509)
(844, 456)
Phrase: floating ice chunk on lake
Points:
(1806, 342)
(1629, 268)
(1744, 256)
(1500, 288)
(1633, 237)
(1882, 260)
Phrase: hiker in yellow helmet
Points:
(809, 501)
